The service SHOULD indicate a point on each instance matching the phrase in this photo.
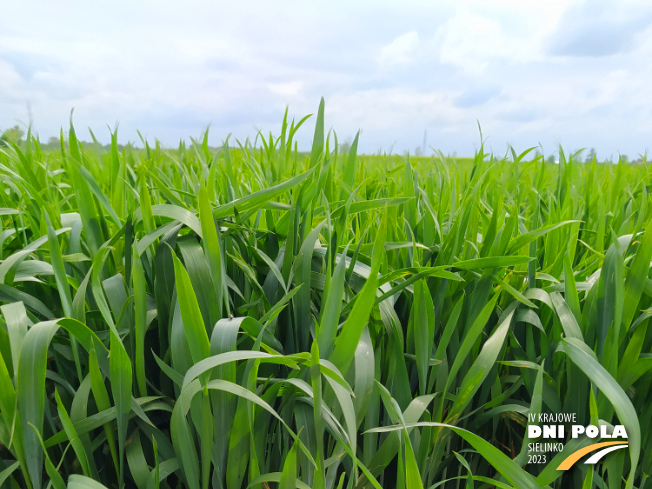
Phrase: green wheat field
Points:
(254, 317)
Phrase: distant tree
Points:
(14, 134)
(590, 155)
(345, 147)
(550, 159)
(624, 158)
(53, 140)
(418, 151)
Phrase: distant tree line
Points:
(14, 134)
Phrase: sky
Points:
(530, 73)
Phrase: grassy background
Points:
(257, 318)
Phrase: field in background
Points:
(255, 317)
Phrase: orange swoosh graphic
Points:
(575, 456)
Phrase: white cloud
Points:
(477, 36)
(400, 51)
(393, 109)
(289, 89)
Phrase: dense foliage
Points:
(253, 317)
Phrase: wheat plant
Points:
(255, 317)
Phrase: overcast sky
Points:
(531, 72)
